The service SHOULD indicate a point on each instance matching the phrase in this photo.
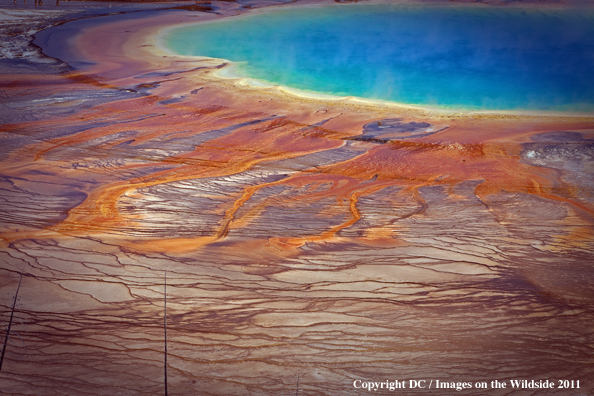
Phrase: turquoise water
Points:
(457, 57)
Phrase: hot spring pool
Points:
(471, 57)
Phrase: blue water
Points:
(456, 57)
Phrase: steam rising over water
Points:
(467, 57)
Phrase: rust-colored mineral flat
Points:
(297, 238)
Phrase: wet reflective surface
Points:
(329, 241)
(461, 56)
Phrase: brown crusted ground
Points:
(295, 242)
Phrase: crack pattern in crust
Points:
(299, 237)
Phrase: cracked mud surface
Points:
(326, 240)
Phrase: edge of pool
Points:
(227, 70)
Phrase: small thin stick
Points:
(297, 391)
(16, 295)
(165, 326)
